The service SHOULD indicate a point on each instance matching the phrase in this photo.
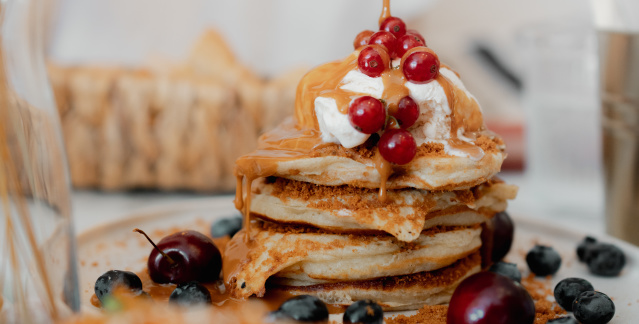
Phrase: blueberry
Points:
(110, 280)
(364, 312)
(543, 260)
(506, 269)
(568, 289)
(583, 247)
(302, 308)
(226, 226)
(190, 294)
(605, 259)
(564, 320)
(593, 307)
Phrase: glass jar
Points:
(38, 273)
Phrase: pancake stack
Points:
(327, 215)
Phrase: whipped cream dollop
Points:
(433, 124)
(335, 126)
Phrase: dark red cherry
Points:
(503, 231)
(407, 42)
(362, 38)
(373, 60)
(417, 34)
(367, 114)
(397, 146)
(393, 25)
(421, 66)
(185, 256)
(490, 298)
(385, 39)
(407, 112)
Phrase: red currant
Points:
(407, 42)
(394, 25)
(385, 39)
(397, 146)
(372, 61)
(417, 34)
(367, 114)
(421, 66)
(362, 38)
(407, 112)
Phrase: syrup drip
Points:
(384, 168)
(287, 142)
(458, 121)
(325, 81)
(235, 252)
(394, 89)
(385, 11)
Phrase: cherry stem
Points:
(168, 258)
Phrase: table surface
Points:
(94, 208)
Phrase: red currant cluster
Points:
(419, 65)
(394, 41)
(396, 145)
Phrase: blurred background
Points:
(161, 96)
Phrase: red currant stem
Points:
(168, 258)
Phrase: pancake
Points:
(404, 214)
(314, 256)
(406, 292)
(431, 169)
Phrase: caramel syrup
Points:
(385, 11)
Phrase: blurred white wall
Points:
(269, 36)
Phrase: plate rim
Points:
(163, 210)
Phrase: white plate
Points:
(116, 246)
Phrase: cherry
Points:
(184, 257)
(407, 42)
(407, 112)
(490, 298)
(385, 39)
(373, 61)
(367, 114)
(362, 38)
(393, 25)
(421, 66)
(397, 146)
(417, 34)
(503, 232)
